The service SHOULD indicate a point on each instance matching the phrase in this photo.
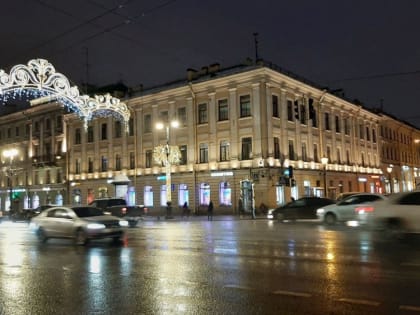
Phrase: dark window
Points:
(132, 160)
(147, 123)
(149, 156)
(204, 153)
(411, 199)
(131, 127)
(202, 113)
(90, 137)
(104, 164)
(289, 110)
(117, 131)
(77, 136)
(275, 103)
(118, 162)
(245, 105)
(246, 148)
(182, 116)
(104, 131)
(304, 153)
(90, 165)
(276, 148)
(224, 151)
(223, 110)
(337, 124)
(184, 156)
(327, 121)
(291, 150)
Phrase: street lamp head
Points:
(324, 160)
(175, 123)
(389, 169)
(11, 153)
(159, 125)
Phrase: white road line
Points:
(410, 264)
(410, 308)
(234, 286)
(358, 301)
(291, 293)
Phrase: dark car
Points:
(300, 209)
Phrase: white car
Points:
(397, 215)
(345, 210)
(81, 223)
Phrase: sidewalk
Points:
(202, 217)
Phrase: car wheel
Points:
(132, 223)
(330, 219)
(394, 230)
(42, 237)
(280, 217)
(80, 237)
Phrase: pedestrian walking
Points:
(185, 210)
(210, 211)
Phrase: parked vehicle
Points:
(81, 223)
(345, 210)
(397, 215)
(303, 208)
(118, 207)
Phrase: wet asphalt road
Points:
(221, 267)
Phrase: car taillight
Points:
(124, 210)
(364, 209)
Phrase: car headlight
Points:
(123, 223)
(96, 226)
(320, 211)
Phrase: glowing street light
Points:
(324, 162)
(167, 155)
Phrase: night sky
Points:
(371, 49)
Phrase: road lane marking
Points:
(292, 293)
(410, 308)
(358, 301)
(234, 286)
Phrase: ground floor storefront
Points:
(233, 191)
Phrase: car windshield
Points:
(83, 212)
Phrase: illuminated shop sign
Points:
(218, 174)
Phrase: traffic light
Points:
(296, 109)
(290, 168)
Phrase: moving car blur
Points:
(300, 209)
(81, 223)
(345, 210)
(397, 215)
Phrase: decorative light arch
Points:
(38, 79)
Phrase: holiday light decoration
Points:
(39, 80)
(167, 154)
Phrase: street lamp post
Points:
(10, 154)
(324, 161)
(168, 158)
(389, 170)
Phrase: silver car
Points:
(81, 223)
(345, 210)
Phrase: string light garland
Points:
(38, 80)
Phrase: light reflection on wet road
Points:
(219, 267)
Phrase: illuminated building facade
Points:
(241, 132)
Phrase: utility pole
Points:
(256, 47)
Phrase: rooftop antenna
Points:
(256, 46)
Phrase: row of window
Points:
(224, 155)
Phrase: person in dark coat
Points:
(210, 211)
